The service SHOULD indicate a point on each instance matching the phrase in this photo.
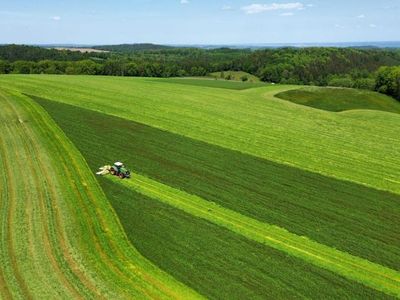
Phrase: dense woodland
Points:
(375, 69)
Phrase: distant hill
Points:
(127, 48)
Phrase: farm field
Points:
(271, 191)
(59, 236)
(359, 146)
(235, 193)
(341, 99)
(217, 262)
(203, 169)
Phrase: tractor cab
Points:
(119, 170)
(119, 165)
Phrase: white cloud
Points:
(259, 8)
(56, 18)
(227, 7)
(287, 14)
(372, 25)
(362, 16)
(339, 26)
(184, 1)
(310, 5)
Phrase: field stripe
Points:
(67, 270)
(373, 275)
(59, 237)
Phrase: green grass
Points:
(59, 236)
(326, 210)
(341, 99)
(217, 262)
(235, 75)
(208, 82)
(225, 143)
(283, 195)
(359, 146)
(351, 267)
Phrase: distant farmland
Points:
(82, 50)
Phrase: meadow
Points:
(325, 209)
(235, 193)
(217, 262)
(358, 146)
(59, 237)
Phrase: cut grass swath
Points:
(351, 267)
(59, 237)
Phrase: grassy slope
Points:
(223, 84)
(340, 99)
(59, 237)
(157, 153)
(219, 263)
(350, 217)
(362, 147)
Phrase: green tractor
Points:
(118, 169)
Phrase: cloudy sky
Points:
(198, 21)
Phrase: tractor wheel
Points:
(121, 175)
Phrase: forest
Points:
(365, 68)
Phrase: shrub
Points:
(365, 83)
(341, 82)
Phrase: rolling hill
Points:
(235, 193)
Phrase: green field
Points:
(217, 262)
(341, 99)
(59, 237)
(229, 177)
(235, 193)
(359, 146)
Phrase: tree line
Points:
(345, 67)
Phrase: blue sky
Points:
(198, 21)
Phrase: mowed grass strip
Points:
(341, 99)
(361, 147)
(349, 217)
(59, 236)
(217, 262)
(351, 267)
